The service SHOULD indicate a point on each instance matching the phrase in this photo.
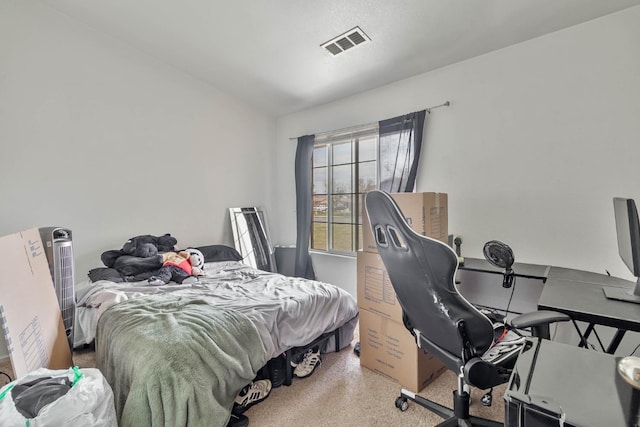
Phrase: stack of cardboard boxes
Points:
(386, 346)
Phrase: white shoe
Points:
(252, 394)
(308, 364)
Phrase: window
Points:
(344, 168)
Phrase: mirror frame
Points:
(251, 237)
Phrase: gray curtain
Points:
(304, 191)
(400, 145)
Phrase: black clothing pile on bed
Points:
(141, 258)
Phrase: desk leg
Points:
(613, 345)
(615, 341)
(583, 338)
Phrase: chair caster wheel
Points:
(486, 399)
(402, 404)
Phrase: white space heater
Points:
(57, 245)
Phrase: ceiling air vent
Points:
(351, 38)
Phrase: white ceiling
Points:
(267, 52)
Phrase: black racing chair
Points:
(422, 271)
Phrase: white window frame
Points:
(354, 135)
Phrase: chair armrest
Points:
(538, 321)
(535, 318)
(483, 375)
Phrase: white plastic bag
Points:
(89, 402)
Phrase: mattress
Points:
(287, 311)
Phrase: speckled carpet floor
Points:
(341, 393)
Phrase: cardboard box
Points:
(388, 348)
(375, 291)
(29, 312)
(426, 213)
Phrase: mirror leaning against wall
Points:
(251, 237)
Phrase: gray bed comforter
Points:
(176, 361)
(157, 356)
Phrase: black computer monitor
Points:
(628, 230)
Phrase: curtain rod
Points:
(361, 127)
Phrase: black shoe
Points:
(238, 421)
(356, 349)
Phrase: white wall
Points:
(102, 139)
(538, 139)
(98, 137)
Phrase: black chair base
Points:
(459, 416)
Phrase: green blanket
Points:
(175, 361)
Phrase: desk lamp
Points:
(457, 241)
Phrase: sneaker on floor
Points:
(253, 393)
(308, 364)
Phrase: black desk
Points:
(480, 282)
(579, 294)
(529, 271)
(548, 383)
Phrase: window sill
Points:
(350, 256)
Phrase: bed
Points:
(179, 354)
